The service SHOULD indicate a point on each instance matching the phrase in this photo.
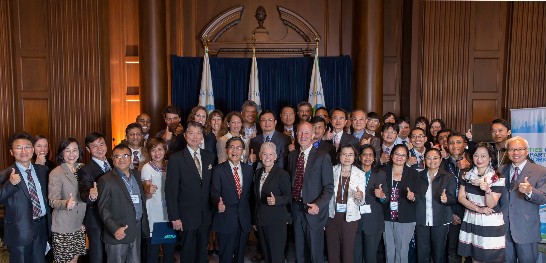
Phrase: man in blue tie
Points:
(23, 192)
(88, 176)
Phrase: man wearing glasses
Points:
(526, 191)
(281, 140)
(23, 192)
(122, 208)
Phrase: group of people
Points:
(356, 187)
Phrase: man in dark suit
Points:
(281, 141)
(23, 192)
(312, 187)
(88, 176)
(340, 137)
(230, 190)
(389, 133)
(173, 133)
(526, 191)
(319, 125)
(187, 192)
(500, 132)
(358, 121)
(122, 208)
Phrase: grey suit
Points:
(62, 183)
(521, 212)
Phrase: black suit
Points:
(431, 240)
(375, 142)
(26, 238)
(317, 188)
(406, 208)
(188, 200)
(210, 143)
(371, 225)
(272, 220)
(281, 142)
(326, 146)
(233, 225)
(116, 210)
(87, 175)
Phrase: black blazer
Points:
(237, 214)
(210, 142)
(326, 146)
(346, 139)
(318, 183)
(116, 208)
(18, 223)
(187, 195)
(373, 223)
(87, 175)
(457, 208)
(406, 208)
(280, 140)
(442, 213)
(278, 183)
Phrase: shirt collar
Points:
(521, 166)
(306, 152)
(192, 152)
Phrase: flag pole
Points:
(315, 82)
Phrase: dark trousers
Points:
(453, 243)
(309, 241)
(366, 247)
(96, 247)
(340, 238)
(272, 242)
(232, 246)
(522, 253)
(35, 251)
(153, 251)
(431, 242)
(121, 253)
(194, 244)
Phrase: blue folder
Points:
(163, 233)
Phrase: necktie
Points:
(237, 181)
(106, 167)
(268, 138)
(336, 141)
(197, 164)
(36, 209)
(515, 176)
(387, 150)
(298, 182)
(136, 160)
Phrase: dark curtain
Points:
(282, 81)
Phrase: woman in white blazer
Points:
(349, 184)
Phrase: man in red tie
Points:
(312, 187)
(230, 191)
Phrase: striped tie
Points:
(36, 208)
(237, 181)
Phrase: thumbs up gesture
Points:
(271, 199)
(152, 188)
(444, 152)
(292, 146)
(411, 195)
(252, 156)
(484, 186)
(120, 233)
(221, 206)
(168, 134)
(379, 192)
(359, 194)
(93, 192)
(443, 197)
(525, 187)
(71, 202)
(14, 178)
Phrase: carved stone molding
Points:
(299, 24)
(222, 23)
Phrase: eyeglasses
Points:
(267, 120)
(358, 119)
(232, 147)
(123, 156)
(20, 148)
(373, 120)
(390, 132)
(420, 136)
(511, 150)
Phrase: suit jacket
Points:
(520, 211)
(87, 175)
(278, 183)
(457, 208)
(375, 142)
(18, 222)
(116, 208)
(62, 183)
(441, 213)
(406, 208)
(373, 223)
(237, 215)
(327, 147)
(318, 183)
(187, 195)
(210, 143)
(280, 140)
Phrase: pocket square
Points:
(210, 166)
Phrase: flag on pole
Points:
(316, 94)
(206, 94)
(253, 85)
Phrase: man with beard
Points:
(173, 133)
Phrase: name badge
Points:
(135, 199)
(394, 206)
(341, 208)
(365, 209)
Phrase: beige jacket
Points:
(62, 183)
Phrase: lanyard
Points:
(128, 184)
(344, 185)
